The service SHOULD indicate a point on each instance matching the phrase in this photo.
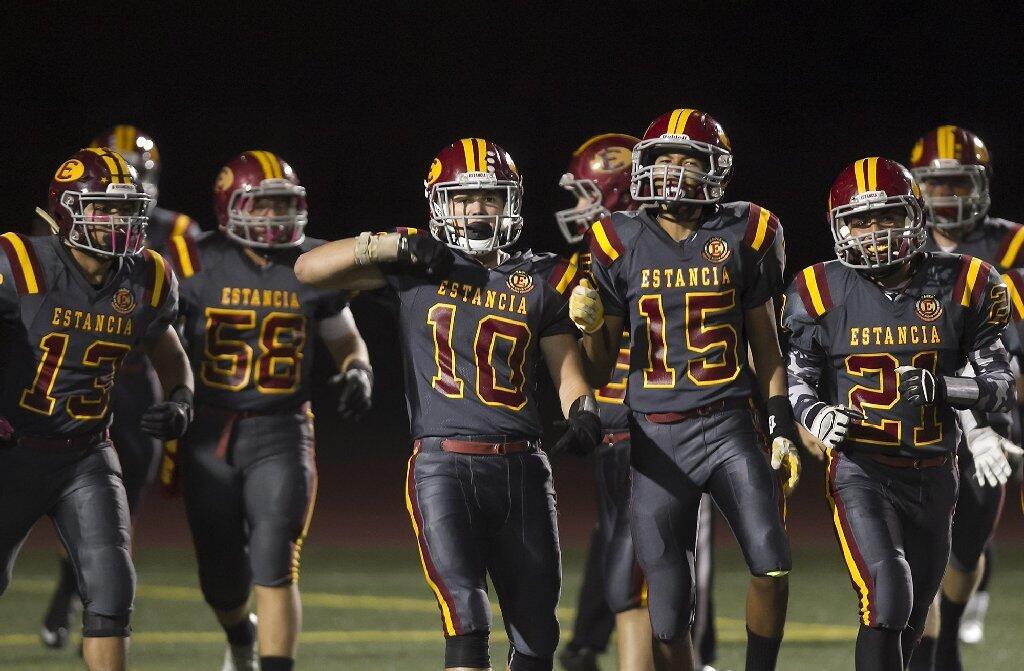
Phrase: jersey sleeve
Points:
(606, 252)
(161, 293)
(766, 257)
(561, 280)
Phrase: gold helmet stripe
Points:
(268, 172)
(481, 157)
(467, 148)
(275, 164)
(872, 171)
(118, 169)
(124, 137)
(946, 141)
(677, 124)
(858, 169)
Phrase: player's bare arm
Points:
(583, 432)
(352, 263)
(171, 418)
(354, 379)
(759, 323)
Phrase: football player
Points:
(73, 305)
(885, 331)
(598, 178)
(137, 386)
(248, 465)
(953, 167)
(695, 279)
(476, 318)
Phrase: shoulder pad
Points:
(184, 254)
(1009, 253)
(158, 278)
(812, 286)
(25, 267)
(604, 241)
(971, 281)
(184, 225)
(564, 276)
(762, 227)
(1015, 288)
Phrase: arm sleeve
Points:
(331, 304)
(986, 352)
(806, 359)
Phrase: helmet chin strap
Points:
(45, 216)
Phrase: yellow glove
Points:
(784, 454)
(585, 307)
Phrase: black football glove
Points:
(582, 429)
(169, 419)
(920, 386)
(426, 253)
(355, 390)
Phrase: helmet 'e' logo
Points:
(69, 171)
(123, 301)
(434, 172)
(520, 282)
(612, 159)
(717, 250)
(928, 308)
(224, 179)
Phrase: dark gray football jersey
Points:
(249, 327)
(847, 334)
(996, 241)
(470, 342)
(685, 301)
(64, 339)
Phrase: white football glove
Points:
(784, 453)
(989, 450)
(585, 307)
(832, 423)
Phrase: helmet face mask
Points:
(879, 249)
(97, 231)
(283, 227)
(470, 170)
(954, 212)
(666, 182)
(575, 221)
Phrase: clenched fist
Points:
(585, 307)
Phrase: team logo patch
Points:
(123, 301)
(69, 171)
(520, 282)
(928, 308)
(717, 250)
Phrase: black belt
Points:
(476, 445)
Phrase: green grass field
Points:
(371, 610)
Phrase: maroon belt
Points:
(615, 437)
(717, 406)
(65, 444)
(477, 448)
(907, 462)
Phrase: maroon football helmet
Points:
(940, 160)
(685, 131)
(97, 205)
(466, 165)
(599, 179)
(138, 149)
(246, 179)
(874, 184)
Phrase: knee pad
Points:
(467, 650)
(890, 600)
(95, 625)
(519, 661)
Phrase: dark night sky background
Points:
(359, 100)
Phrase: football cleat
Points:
(242, 657)
(583, 659)
(972, 626)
